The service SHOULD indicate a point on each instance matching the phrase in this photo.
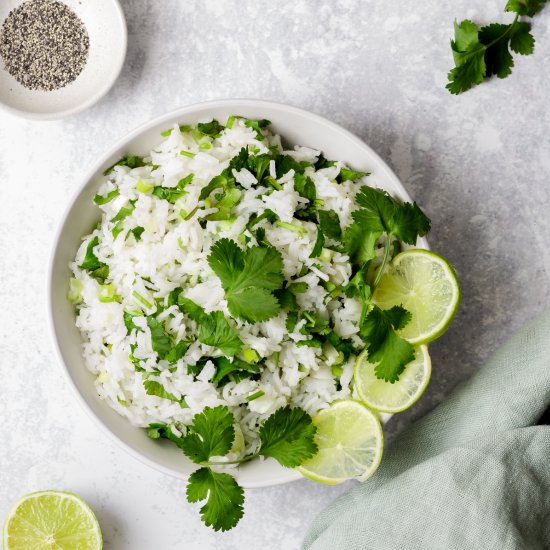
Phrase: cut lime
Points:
(425, 284)
(51, 520)
(350, 441)
(396, 397)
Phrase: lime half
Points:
(350, 441)
(50, 520)
(425, 284)
(400, 395)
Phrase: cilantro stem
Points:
(504, 34)
(226, 463)
(382, 267)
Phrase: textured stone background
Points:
(478, 164)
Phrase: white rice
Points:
(173, 253)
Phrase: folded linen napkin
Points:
(472, 474)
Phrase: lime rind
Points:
(350, 440)
(399, 396)
(425, 284)
(35, 517)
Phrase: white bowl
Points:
(106, 26)
(297, 127)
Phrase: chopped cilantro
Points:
(224, 368)
(214, 329)
(212, 129)
(172, 194)
(131, 161)
(104, 199)
(350, 175)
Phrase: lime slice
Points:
(350, 441)
(396, 397)
(425, 284)
(51, 519)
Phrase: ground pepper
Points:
(44, 44)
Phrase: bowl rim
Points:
(92, 99)
(287, 475)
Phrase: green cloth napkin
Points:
(472, 474)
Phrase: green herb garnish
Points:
(482, 52)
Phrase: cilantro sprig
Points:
(381, 220)
(479, 53)
(287, 436)
(248, 278)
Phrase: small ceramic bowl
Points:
(297, 127)
(106, 26)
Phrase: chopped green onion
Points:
(185, 128)
(187, 154)
(255, 395)
(291, 227)
(75, 290)
(230, 121)
(166, 133)
(143, 187)
(107, 294)
(142, 300)
(273, 182)
(326, 255)
(251, 355)
(337, 371)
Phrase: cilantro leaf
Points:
(286, 163)
(216, 331)
(100, 199)
(160, 341)
(498, 59)
(212, 129)
(91, 262)
(223, 181)
(172, 194)
(522, 41)
(288, 437)
(224, 368)
(359, 243)
(177, 351)
(157, 430)
(131, 161)
(329, 222)
(129, 322)
(350, 175)
(224, 507)
(319, 243)
(248, 277)
(469, 58)
(305, 187)
(152, 387)
(257, 125)
(386, 348)
(525, 7)
(382, 213)
(211, 434)
(137, 232)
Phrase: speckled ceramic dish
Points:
(106, 26)
(296, 127)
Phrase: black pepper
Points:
(44, 44)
